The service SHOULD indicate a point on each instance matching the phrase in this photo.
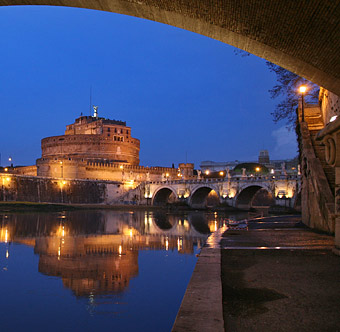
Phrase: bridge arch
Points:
(163, 196)
(274, 30)
(254, 194)
(204, 196)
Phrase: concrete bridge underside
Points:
(301, 36)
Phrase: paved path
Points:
(272, 274)
(277, 275)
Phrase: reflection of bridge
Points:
(235, 191)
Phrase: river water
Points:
(95, 270)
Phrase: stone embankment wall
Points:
(318, 175)
(53, 190)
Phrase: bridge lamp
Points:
(6, 169)
(302, 90)
(62, 184)
(257, 169)
(221, 173)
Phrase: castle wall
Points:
(51, 190)
(26, 170)
(91, 147)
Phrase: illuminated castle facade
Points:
(97, 148)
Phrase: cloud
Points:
(285, 145)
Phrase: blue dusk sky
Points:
(184, 95)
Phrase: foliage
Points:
(287, 88)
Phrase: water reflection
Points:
(96, 252)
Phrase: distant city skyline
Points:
(185, 96)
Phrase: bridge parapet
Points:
(230, 179)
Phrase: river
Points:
(98, 269)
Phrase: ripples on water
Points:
(92, 270)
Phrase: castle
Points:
(98, 148)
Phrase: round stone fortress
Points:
(90, 139)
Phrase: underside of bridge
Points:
(254, 196)
(164, 196)
(204, 197)
(301, 36)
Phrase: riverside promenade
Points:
(272, 274)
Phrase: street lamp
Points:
(62, 170)
(302, 90)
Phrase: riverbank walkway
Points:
(271, 274)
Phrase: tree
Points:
(287, 88)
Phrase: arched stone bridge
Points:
(235, 191)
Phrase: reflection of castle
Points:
(90, 273)
(96, 252)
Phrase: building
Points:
(90, 139)
(289, 166)
(98, 148)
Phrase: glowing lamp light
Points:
(6, 169)
(167, 174)
(121, 167)
(333, 118)
(303, 89)
(257, 169)
(221, 173)
(207, 172)
(62, 183)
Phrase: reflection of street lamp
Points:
(302, 90)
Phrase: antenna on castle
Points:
(90, 99)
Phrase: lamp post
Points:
(302, 89)
(61, 169)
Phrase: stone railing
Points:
(237, 178)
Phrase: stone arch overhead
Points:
(265, 185)
(158, 190)
(204, 189)
(301, 36)
(247, 193)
